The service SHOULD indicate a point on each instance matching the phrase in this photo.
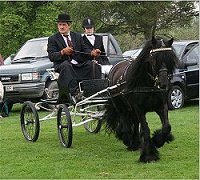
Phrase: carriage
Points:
(87, 112)
(133, 89)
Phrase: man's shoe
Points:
(78, 96)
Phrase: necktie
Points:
(68, 41)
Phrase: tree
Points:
(12, 33)
(22, 20)
(147, 17)
(16, 20)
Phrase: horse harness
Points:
(121, 81)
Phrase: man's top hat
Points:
(63, 18)
(88, 23)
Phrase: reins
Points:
(87, 53)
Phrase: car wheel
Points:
(175, 98)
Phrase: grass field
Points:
(98, 156)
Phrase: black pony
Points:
(143, 85)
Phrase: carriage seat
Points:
(86, 87)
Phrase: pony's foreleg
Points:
(163, 135)
(149, 152)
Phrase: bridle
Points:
(155, 76)
(160, 49)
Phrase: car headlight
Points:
(30, 76)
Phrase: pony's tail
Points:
(111, 117)
(123, 125)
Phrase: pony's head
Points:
(154, 65)
(163, 61)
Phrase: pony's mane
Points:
(135, 70)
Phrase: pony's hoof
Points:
(170, 138)
(148, 159)
(160, 139)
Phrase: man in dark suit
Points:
(69, 54)
(94, 41)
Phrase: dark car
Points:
(25, 76)
(185, 82)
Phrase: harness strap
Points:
(122, 77)
(146, 90)
(114, 104)
(125, 100)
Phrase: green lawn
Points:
(98, 156)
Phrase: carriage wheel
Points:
(29, 121)
(64, 124)
(93, 126)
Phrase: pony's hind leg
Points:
(163, 135)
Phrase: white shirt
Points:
(91, 38)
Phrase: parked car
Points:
(185, 81)
(133, 53)
(24, 76)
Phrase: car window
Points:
(33, 49)
(178, 49)
(188, 47)
(112, 49)
(193, 56)
(108, 46)
(181, 50)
